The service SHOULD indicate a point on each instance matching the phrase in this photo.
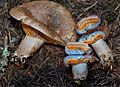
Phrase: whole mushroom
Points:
(43, 21)
(36, 33)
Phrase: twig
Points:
(3, 12)
(44, 62)
(91, 6)
(117, 7)
(57, 74)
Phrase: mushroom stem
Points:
(28, 46)
(80, 71)
(103, 51)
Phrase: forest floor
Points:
(45, 68)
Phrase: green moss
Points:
(4, 60)
(5, 53)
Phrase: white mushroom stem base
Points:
(28, 46)
(80, 71)
(103, 51)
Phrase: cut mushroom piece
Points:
(41, 25)
(76, 48)
(96, 39)
(80, 71)
(77, 59)
(79, 65)
(103, 51)
(87, 24)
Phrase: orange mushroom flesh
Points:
(37, 31)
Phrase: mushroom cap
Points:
(92, 38)
(45, 32)
(77, 48)
(53, 15)
(87, 23)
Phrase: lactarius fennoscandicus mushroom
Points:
(96, 39)
(77, 59)
(87, 23)
(43, 21)
(74, 48)
(83, 26)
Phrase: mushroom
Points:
(77, 59)
(74, 48)
(43, 21)
(96, 38)
(87, 23)
(36, 33)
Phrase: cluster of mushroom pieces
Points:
(46, 21)
(79, 52)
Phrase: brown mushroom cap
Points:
(51, 16)
(100, 28)
(55, 16)
(36, 26)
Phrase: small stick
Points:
(117, 7)
(91, 6)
